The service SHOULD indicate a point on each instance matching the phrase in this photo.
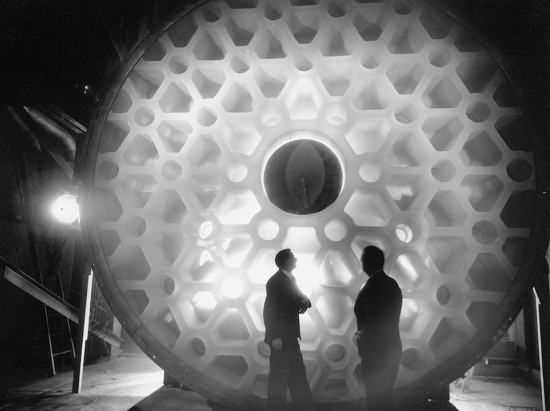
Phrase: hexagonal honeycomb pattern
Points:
(434, 151)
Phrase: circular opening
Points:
(370, 61)
(171, 170)
(236, 172)
(135, 226)
(205, 229)
(263, 349)
(406, 114)
(336, 230)
(144, 116)
(370, 172)
(211, 13)
(449, 295)
(337, 114)
(168, 285)
(478, 112)
(238, 65)
(272, 13)
(303, 64)
(335, 352)
(404, 233)
(108, 170)
(440, 57)
(206, 118)
(198, 347)
(519, 170)
(443, 295)
(268, 229)
(409, 357)
(270, 117)
(336, 9)
(443, 171)
(177, 66)
(484, 232)
(303, 177)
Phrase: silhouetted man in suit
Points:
(377, 309)
(283, 303)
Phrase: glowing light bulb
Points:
(65, 209)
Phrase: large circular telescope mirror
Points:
(242, 127)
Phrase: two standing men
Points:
(377, 309)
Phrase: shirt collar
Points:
(287, 273)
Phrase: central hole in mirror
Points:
(303, 177)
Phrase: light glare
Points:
(232, 288)
(305, 274)
(204, 300)
(65, 209)
(404, 233)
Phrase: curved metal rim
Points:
(446, 372)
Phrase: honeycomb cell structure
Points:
(424, 134)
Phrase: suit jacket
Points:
(377, 309)
(281, 308)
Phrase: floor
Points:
(131, 381)
(116, 384)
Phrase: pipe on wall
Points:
(62, 136)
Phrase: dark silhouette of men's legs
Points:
(288, 371)
(380, 372)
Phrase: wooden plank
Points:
(41, 293)
(38, 291)
(83, 326)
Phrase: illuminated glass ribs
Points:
(435, 157)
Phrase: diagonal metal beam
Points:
(41, 293)
(63, 118)
(24, 120)
(57, 132)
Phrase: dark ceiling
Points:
(63, 52)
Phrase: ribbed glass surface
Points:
(434, 158)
